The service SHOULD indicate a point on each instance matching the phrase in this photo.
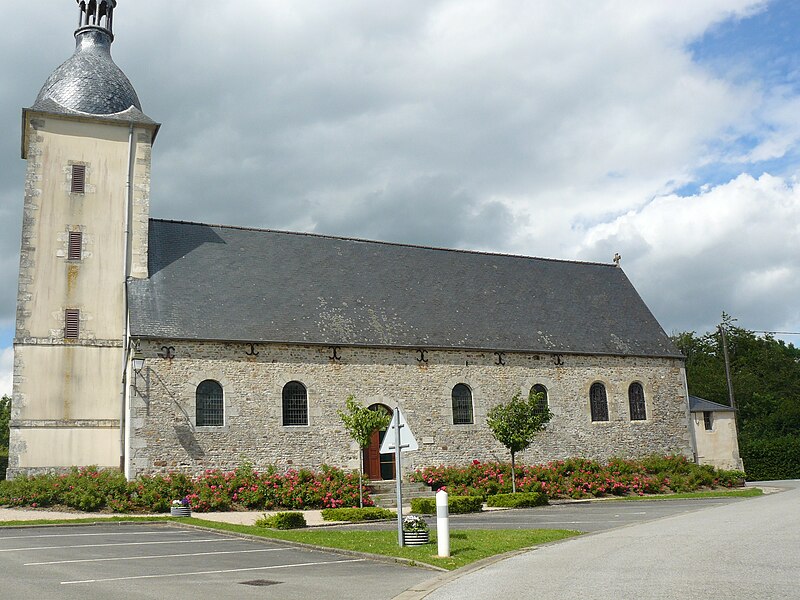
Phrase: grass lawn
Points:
(466, 546)
(725, 493)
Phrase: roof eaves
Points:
(548, 352)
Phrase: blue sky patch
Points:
(764, 47)
(6, 336)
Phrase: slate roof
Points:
(89, 81)
(702, 405)
(210, 282)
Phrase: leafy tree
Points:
(516, 423)
(765, 374)
(360, 422)
(5, 417)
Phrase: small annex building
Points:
(714, 435)
(248, 341)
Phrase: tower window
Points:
(72, 323)
(75, 245)
(78, 185)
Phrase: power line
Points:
(778, 332)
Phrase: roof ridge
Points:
(385, 243)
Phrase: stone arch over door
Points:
(378, 466)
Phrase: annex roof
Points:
(702, 405)
(211, 282)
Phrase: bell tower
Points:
(87, 145)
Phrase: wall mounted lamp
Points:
(138, 361)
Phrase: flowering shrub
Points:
(414, 523)
(93, 489)
(89, 489)
(580, 478)
(154, 493)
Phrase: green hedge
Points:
(773, 458)
(283, 520)
(456, 505)
(357, 514)
(3, 463)
(520, 500)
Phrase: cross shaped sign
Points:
(407, 441)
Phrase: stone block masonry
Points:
(165, 436)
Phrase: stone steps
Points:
(384, 493)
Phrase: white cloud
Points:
(558, 129)
(734, 247)
(6, 370)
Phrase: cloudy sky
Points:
(666, 131)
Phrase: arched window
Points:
(598, 402)
(295, 404)
(636, 402)
(462, 405)
(209, 405)
(541, 405)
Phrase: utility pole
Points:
(727, 366)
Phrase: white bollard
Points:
(443, 523)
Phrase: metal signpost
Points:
(399, 439)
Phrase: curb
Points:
(421, 590)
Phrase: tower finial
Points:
(97, 13)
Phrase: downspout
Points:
(123, 421)
(690, 423)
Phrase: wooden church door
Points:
(376, 465)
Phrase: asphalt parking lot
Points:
(583, 516)
(159, 562)
(586, 516)
(147, 560)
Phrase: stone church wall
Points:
(164, 436)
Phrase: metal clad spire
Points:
(89, 81)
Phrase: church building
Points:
(152, 345)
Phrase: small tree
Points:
(516, 423)
(360, 422)
(5, 418)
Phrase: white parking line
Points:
(219, 539)
(87, 560)
(289, 566)
(528, 525)
(58, 535)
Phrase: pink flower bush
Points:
(214, 490)
(580, 478)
